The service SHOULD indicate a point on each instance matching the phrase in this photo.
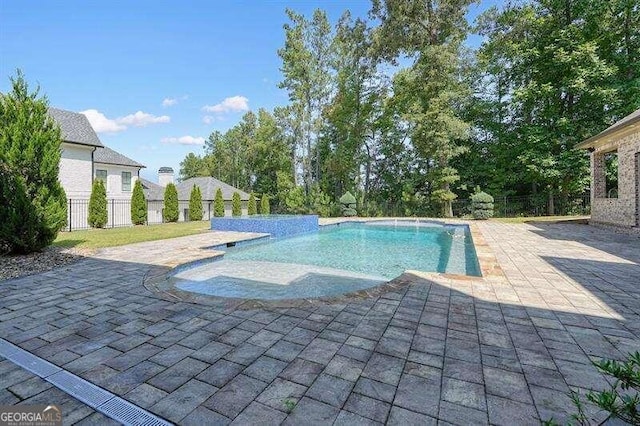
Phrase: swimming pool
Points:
(335, 260)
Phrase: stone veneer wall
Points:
(621, 211)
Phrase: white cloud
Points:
(102, 124)
(232, 104)
(167, 102)
(184, 140)
(142, 119)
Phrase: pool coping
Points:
(157, 278)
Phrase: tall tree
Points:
(430, 33)
(306, 60)
(193, 166)
(32, 202)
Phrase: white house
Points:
(84, 158)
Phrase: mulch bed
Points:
(13, 266)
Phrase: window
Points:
(126, 181)
(611, 174)
(102, 175)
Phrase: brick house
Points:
(615, 174)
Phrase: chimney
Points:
(165, 176)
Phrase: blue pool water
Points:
(333, 261)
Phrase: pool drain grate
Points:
(94, 396)
(80, 389)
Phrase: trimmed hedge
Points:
(348, 202)
(195, 204)
(252, 207)
(218, 204)
(98, 205)
(482, 206)
(170, 213)
(265, 208)
(138, 205)
(236, 205)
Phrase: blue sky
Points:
(155, 77)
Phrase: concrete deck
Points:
(435, 349)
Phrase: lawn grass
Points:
(537, 219)
(99, 238)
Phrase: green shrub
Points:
(170, 213)
(33, 204)
(295, 200)
(195, 203)
(620, 401)
(348, 202)
(218, 204)
(138, 205)
(265, 208)
(98, 205)
(481, 205)
(236, 205)
(320, 202)
(252, 207)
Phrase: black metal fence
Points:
(530, 205)
(119, 213)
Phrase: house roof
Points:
(631, 120)
(208, 187)
(106, 155)
(152, 191)
(75, 127)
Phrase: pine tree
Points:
(138, 205)
(236, 206)
(98, 205)
(33, 204)
(252, 207)
(195, 204)
(264, 205)
(170, 213)
(218, 204)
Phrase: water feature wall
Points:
(276, 225)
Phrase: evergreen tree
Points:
(236, 206)
(33, 205)
(98, 205)
(195, 204)
(138, 205)
(170, 213)
(218, 204)
(252, 207)
(265, 208)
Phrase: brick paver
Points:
(500, 350)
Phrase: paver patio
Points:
(438, 350)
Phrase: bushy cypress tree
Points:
(195, 204)
(33, 204)
(252, 207)
(138, 205)
(236, 206)
(170, 213)
(265, 208)
(218, 204)
(98, 205)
